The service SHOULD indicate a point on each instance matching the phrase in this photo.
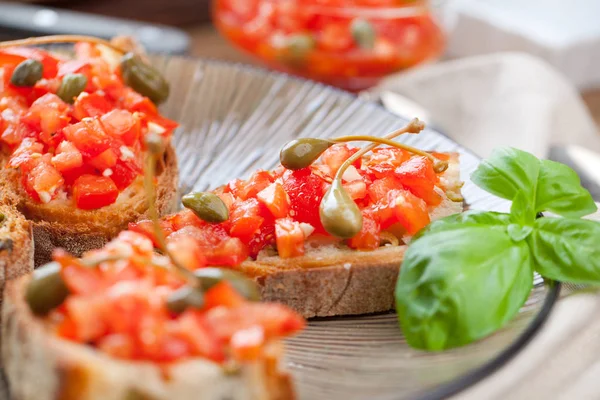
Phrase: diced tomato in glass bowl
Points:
(350, 44)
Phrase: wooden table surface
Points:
(207, 43)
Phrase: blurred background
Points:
(351, 44)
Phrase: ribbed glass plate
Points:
(234, 119)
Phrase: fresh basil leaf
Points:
(559, 190)
(507, 172)
(460, 284)
(468, 218)
(521, 210)
(566, 249)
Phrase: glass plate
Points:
(235, 119)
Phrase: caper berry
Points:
(144, 78)
(207, 206)
(440, 166)
(209, 277)
(363, 33)
(46, 290)
(184, 298)
(296, 48)
(71, 86)
(339, 214)
(27, 73)
(301, 153)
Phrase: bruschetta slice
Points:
(123, 323)
(72, 130)
(271, 228)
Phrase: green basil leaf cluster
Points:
(466, 275)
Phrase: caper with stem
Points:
(207, 206)
(46, 290)
(339, 214)
(71, 86)
(301, 153)
(144, 78)
(27, 73)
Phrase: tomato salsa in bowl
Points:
(348, 44)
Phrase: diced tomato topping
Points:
(369, 236)
(305, 190)
(289, 238)
(418, 176)
(276, 200)
(91, 105)
(91, 192)
(101, 133)
(246, 219)
(44, 180)
(89, 137)
(381, 187)
(336, 155)
(67, 157)
(123, 125)
(248, 189)
(404, 207)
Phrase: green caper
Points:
(209, 277)
(71, 86)
(301, 153)
(2, 218)
(339, 214)
(27, 73)
(6, 244)
(207, 206)
(144, 78)
(46, 289)
(184, 298)
(363, 33)
(296, 48)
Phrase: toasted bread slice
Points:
(60, 224)
(16, 245)
(41, 366)
(336, 280)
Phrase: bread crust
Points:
(16, 245)
(63, 225)
(41, 366)
(334, 281)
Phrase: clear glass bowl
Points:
(350, 44)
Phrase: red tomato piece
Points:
(289, 238)
(305, 191)
(418, 176)
(133, 101)
(263, 238)
(276, 200)
(49, 114)
(336, 155)
(250, 188)
(146, 228)
(92, 192)
(123, 125)
(245, 219)
(81, 279)
(88, 136)
(107, 159)
(247, 344)
(25, 153)
(369, 236)
(45, 180)
(89, 105)
(71, 175)
(223, 294)
(167, 124)
(379, 189)
(409, 210)
(383, 161)
(125, 172)
(67, 157)
(356, 189)
(188, 252)
(336, 37)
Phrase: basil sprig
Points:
(466, 275)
